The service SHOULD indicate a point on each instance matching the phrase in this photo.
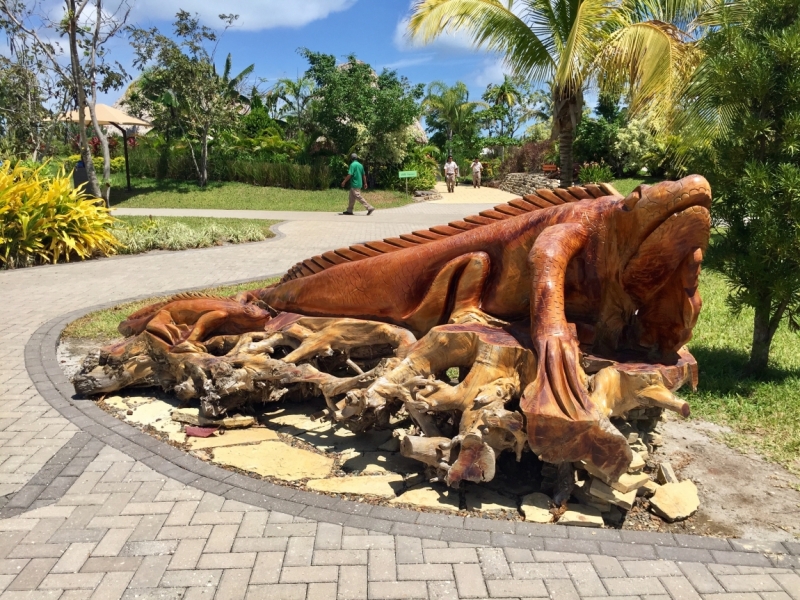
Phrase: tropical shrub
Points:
(595, 173)
(635, 147)
(529, 157)
(595, 140)
(117, 164)
(177, 164)
(166, 234)
(45, 220)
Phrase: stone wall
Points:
(523, 184)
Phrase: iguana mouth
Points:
(653, 205)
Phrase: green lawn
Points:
(141, 234)
(150, 193)
(764, 413)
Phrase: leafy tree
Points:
(21, 108)
(572, 43)
(180, 87)
(351, 99)
(743, 111)
(88, 69)
(595, 139)
(452, 117)
(511, 104)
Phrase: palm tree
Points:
(506, 94)
(234, 83)
(572, 44)
(296, 95)
(451, 106)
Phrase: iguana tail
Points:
(136, 322)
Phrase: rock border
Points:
(49, 485)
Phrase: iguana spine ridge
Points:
(539, 200)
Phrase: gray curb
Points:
(52, 384)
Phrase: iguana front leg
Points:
(562, 422)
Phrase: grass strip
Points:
(151, 193)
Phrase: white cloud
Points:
(254, 15)
(491, 71)
(404, 63)
(448, 41)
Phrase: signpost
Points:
(407, 175)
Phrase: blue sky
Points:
(269, 32)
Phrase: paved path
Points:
(425, 214)
(89, 510)
(466, 194)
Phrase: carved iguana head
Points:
(661, 233)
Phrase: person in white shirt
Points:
(477, 167)
(450, 174)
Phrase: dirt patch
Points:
(741, 495)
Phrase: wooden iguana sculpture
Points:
(619, 274)
(562, 272)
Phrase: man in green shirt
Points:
(357, 182)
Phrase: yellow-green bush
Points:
(44, 220)
(117, 164)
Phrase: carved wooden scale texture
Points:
(558, 310)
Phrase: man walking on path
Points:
(477, 167)
(357, 181)
(450, 174)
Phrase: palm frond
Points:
(236, 81)
(707, 112)
(680, 13)
(492, 25)
(592, 22)
(654, 60)
(228, 64)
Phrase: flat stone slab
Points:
(488, 501)
(429, 497)
(382, 486)
(275, 459)
(340, 439)
(381, 462)
(675, 501)
(581, 515)
(156, 414)
(298, 422)
(233, 438)
(536, 508)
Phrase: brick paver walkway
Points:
(90, 508)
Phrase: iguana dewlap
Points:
(623, 269)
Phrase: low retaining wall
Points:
(523, 184)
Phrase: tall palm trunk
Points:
(567, 110)
(565, 139)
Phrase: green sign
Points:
(407, 174)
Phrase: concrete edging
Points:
(102, 428)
